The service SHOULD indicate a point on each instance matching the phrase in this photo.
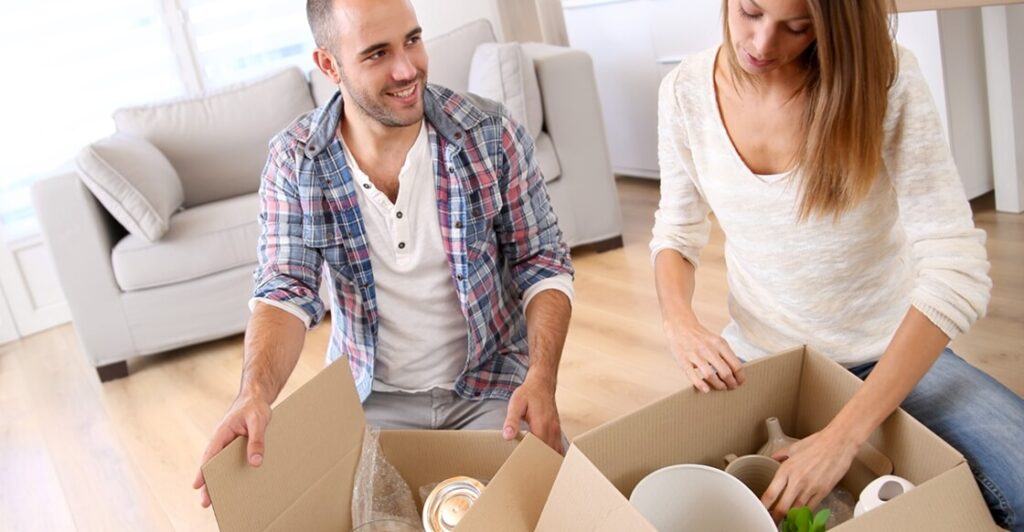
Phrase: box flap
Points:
(950, 501)
(581, 499)
(515, 497)
(313, 444)
(696, 428)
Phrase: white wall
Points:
(441, 16)
(634, 43)
(1004, 58)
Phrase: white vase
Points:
(777, 439)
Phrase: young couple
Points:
(808, 132)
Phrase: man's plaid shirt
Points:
(497, 226)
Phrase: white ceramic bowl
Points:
(698, 497)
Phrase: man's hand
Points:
(248, 416)
(534, 402)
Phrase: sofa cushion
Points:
(323, 89)
(201, 241)
(451, 54)
(547, 158)
(134, 181)
(218, 143)
(504, 73)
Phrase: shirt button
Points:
(398, 214)
(458, 135)
(451, 169)
(458, 225)
(460, 277)
(366, 185)
(401, 245)
(476, 212)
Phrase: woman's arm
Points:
(951, 290)
(814, 465)
(681, 230)
(704, 356)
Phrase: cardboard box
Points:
(313, 445)
(805, 390)
(315, 437)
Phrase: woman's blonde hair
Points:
(850, 67)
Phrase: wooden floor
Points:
(75, 454)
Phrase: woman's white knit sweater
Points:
(841, 287)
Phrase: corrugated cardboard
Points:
(513, 501)
(804, 390)
(583, 499)
(313, 445)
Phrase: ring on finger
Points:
(705, 371)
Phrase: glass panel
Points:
(237, 40)
(67, 66)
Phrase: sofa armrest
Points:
(585, 197)
(80, 235)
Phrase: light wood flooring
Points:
(75, 454)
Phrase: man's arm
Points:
(273, 342)
(547, 322)
(286, 304)
(531, 241)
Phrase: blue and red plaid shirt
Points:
(498, 229)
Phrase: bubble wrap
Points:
(381, 499)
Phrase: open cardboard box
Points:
(804, 389)
(313, 444)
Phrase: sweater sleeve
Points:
(952, 286)
(681, 221)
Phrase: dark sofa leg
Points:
(117, 370)
(607, 245)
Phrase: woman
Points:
(815, 141)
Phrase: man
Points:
(429, 212)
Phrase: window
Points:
(236, 40)
(67, 66)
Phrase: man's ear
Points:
(328, 65)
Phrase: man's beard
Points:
(376, 110)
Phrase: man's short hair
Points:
(319, 15)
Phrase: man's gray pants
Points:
(437, 409)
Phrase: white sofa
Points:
(130, 296)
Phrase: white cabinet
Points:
(8, 330)
(949, 46)
(617, 35)
(634, 43)
(30, 296)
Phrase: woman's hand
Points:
(706, 357)
(810, 469)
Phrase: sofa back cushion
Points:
(133, 181)
(504, 73)
(451, 54)
(218, 143)
(321, 87)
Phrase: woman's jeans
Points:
(983, 420)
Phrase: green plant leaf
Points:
(803, 519)
(820, 519)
